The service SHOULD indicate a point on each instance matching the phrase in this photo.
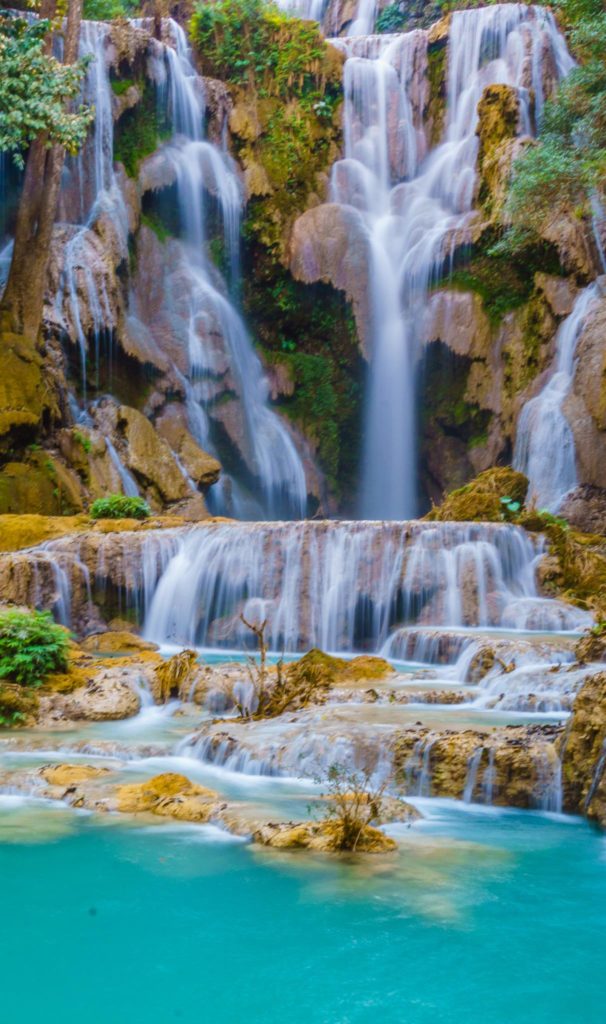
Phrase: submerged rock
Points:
(321, 837)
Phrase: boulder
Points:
(116, 642)
(111, 695)
(170, 796)
(203, 468)
(149, 456)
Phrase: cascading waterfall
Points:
(545, 449)
(82, 300)
(99, 196)
(416, 207)
(343, 586)
(202, 167)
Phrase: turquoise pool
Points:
(484, 917)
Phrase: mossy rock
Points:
(24, 531)
(330, 670)
(18, 704)
(39, 484)
(581, 749)
(480, 500)
(498, 118)
(24, 395)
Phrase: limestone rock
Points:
(23, 396)
(170, 796)
(330, 243)
(583, 752)
(321, 837)
(149, 456)
(116, 641)
(203, 468)
(109, 696)
(585, 509)
(71, 774)
(498, 124)
(458, 320)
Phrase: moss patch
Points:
(481, 498)
(140, 130)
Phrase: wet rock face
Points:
(516, 767)
(583, 752)
(585, 509)
(585, 407)
(330, 243)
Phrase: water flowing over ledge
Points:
(336, 585)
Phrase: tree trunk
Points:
(21, 306)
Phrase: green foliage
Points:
(84, 441)
(568, 163)
(31, 646)
(249, 42)
(292, 321)
(314, 404)
(152, 221)
(121, 85)
(139, 132)
(549, 519)
(392, 18)
(35, 90)
(107, 10)
(120, 506)
(504, 280)
(286, 85)
(510, 508)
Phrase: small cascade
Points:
(99, 200)
(127, 480)
(489, 779)
(545, 449)
(473, 766)
(548, 786)
(417, 771)
(417, 206)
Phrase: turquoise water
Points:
(483, 917)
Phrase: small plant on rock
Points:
(291, 687)
(353, 801)
(120, 506)
(31, 646)
(509, 507)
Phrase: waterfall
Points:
(545, 449)
(83, 305)
(344, 586)
(200, 168)
(127, 480)
(99, 196)
(363, 19)
(417, 207)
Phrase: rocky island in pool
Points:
(303, 511)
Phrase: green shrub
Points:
(31, 646)
(392, 18)
(119, 506)
(568, 162)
